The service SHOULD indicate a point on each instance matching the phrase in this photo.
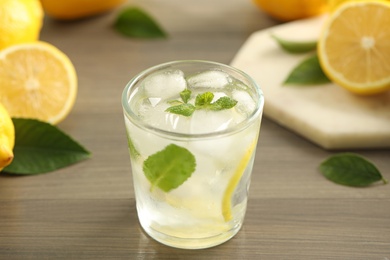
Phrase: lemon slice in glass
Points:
(234, 181)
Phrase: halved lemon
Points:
(38, 81)
(354, 49)
(234, 181)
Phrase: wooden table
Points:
(87, 211)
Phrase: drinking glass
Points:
(192, 129)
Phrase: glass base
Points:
(191, 242)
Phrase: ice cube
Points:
(205, 121)
(159, 118)
(209, 79)
(245, 103)
(218, 95)
(165, 84)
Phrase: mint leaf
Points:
(170, 167)
(133, 151)
(295, 46)
(133, 22)
(307, 72)
(351, 170)
(174, 102)
(182, 109)
(185, 95)
(41, 147)
(223, 103)
(203, 100)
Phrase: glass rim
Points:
(179, 135)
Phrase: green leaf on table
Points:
(170, 167)
(308, 72)
(134, 22)
(351, 170)
(295, 46)
(41, 147)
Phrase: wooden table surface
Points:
(87, 211)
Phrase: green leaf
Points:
(169, 168)
(133, 22)
(185, 95)
(351, 170)
(204, 99)
(295, 46)
(41, 147)
(182, 109)
(133, 150)
(223, 103)
(174, 102)
(308, 72)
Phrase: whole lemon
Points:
(20, 21)
(77, 9)
(289, 10)
(7, 138)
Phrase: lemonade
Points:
(192, 130)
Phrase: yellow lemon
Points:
(288, 10)
(7, 138)
(234, 181)
(38, 81)
(20, 21)
(76, 9)
(354, 49)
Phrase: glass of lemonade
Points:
(192, 129)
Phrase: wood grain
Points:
(87, 211)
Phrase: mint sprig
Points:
(202, 101)
(170, 167)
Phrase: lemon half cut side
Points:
(354, 49)
(37, 81)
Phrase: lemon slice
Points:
(37, 81)
(233, 182)
(354, 49)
